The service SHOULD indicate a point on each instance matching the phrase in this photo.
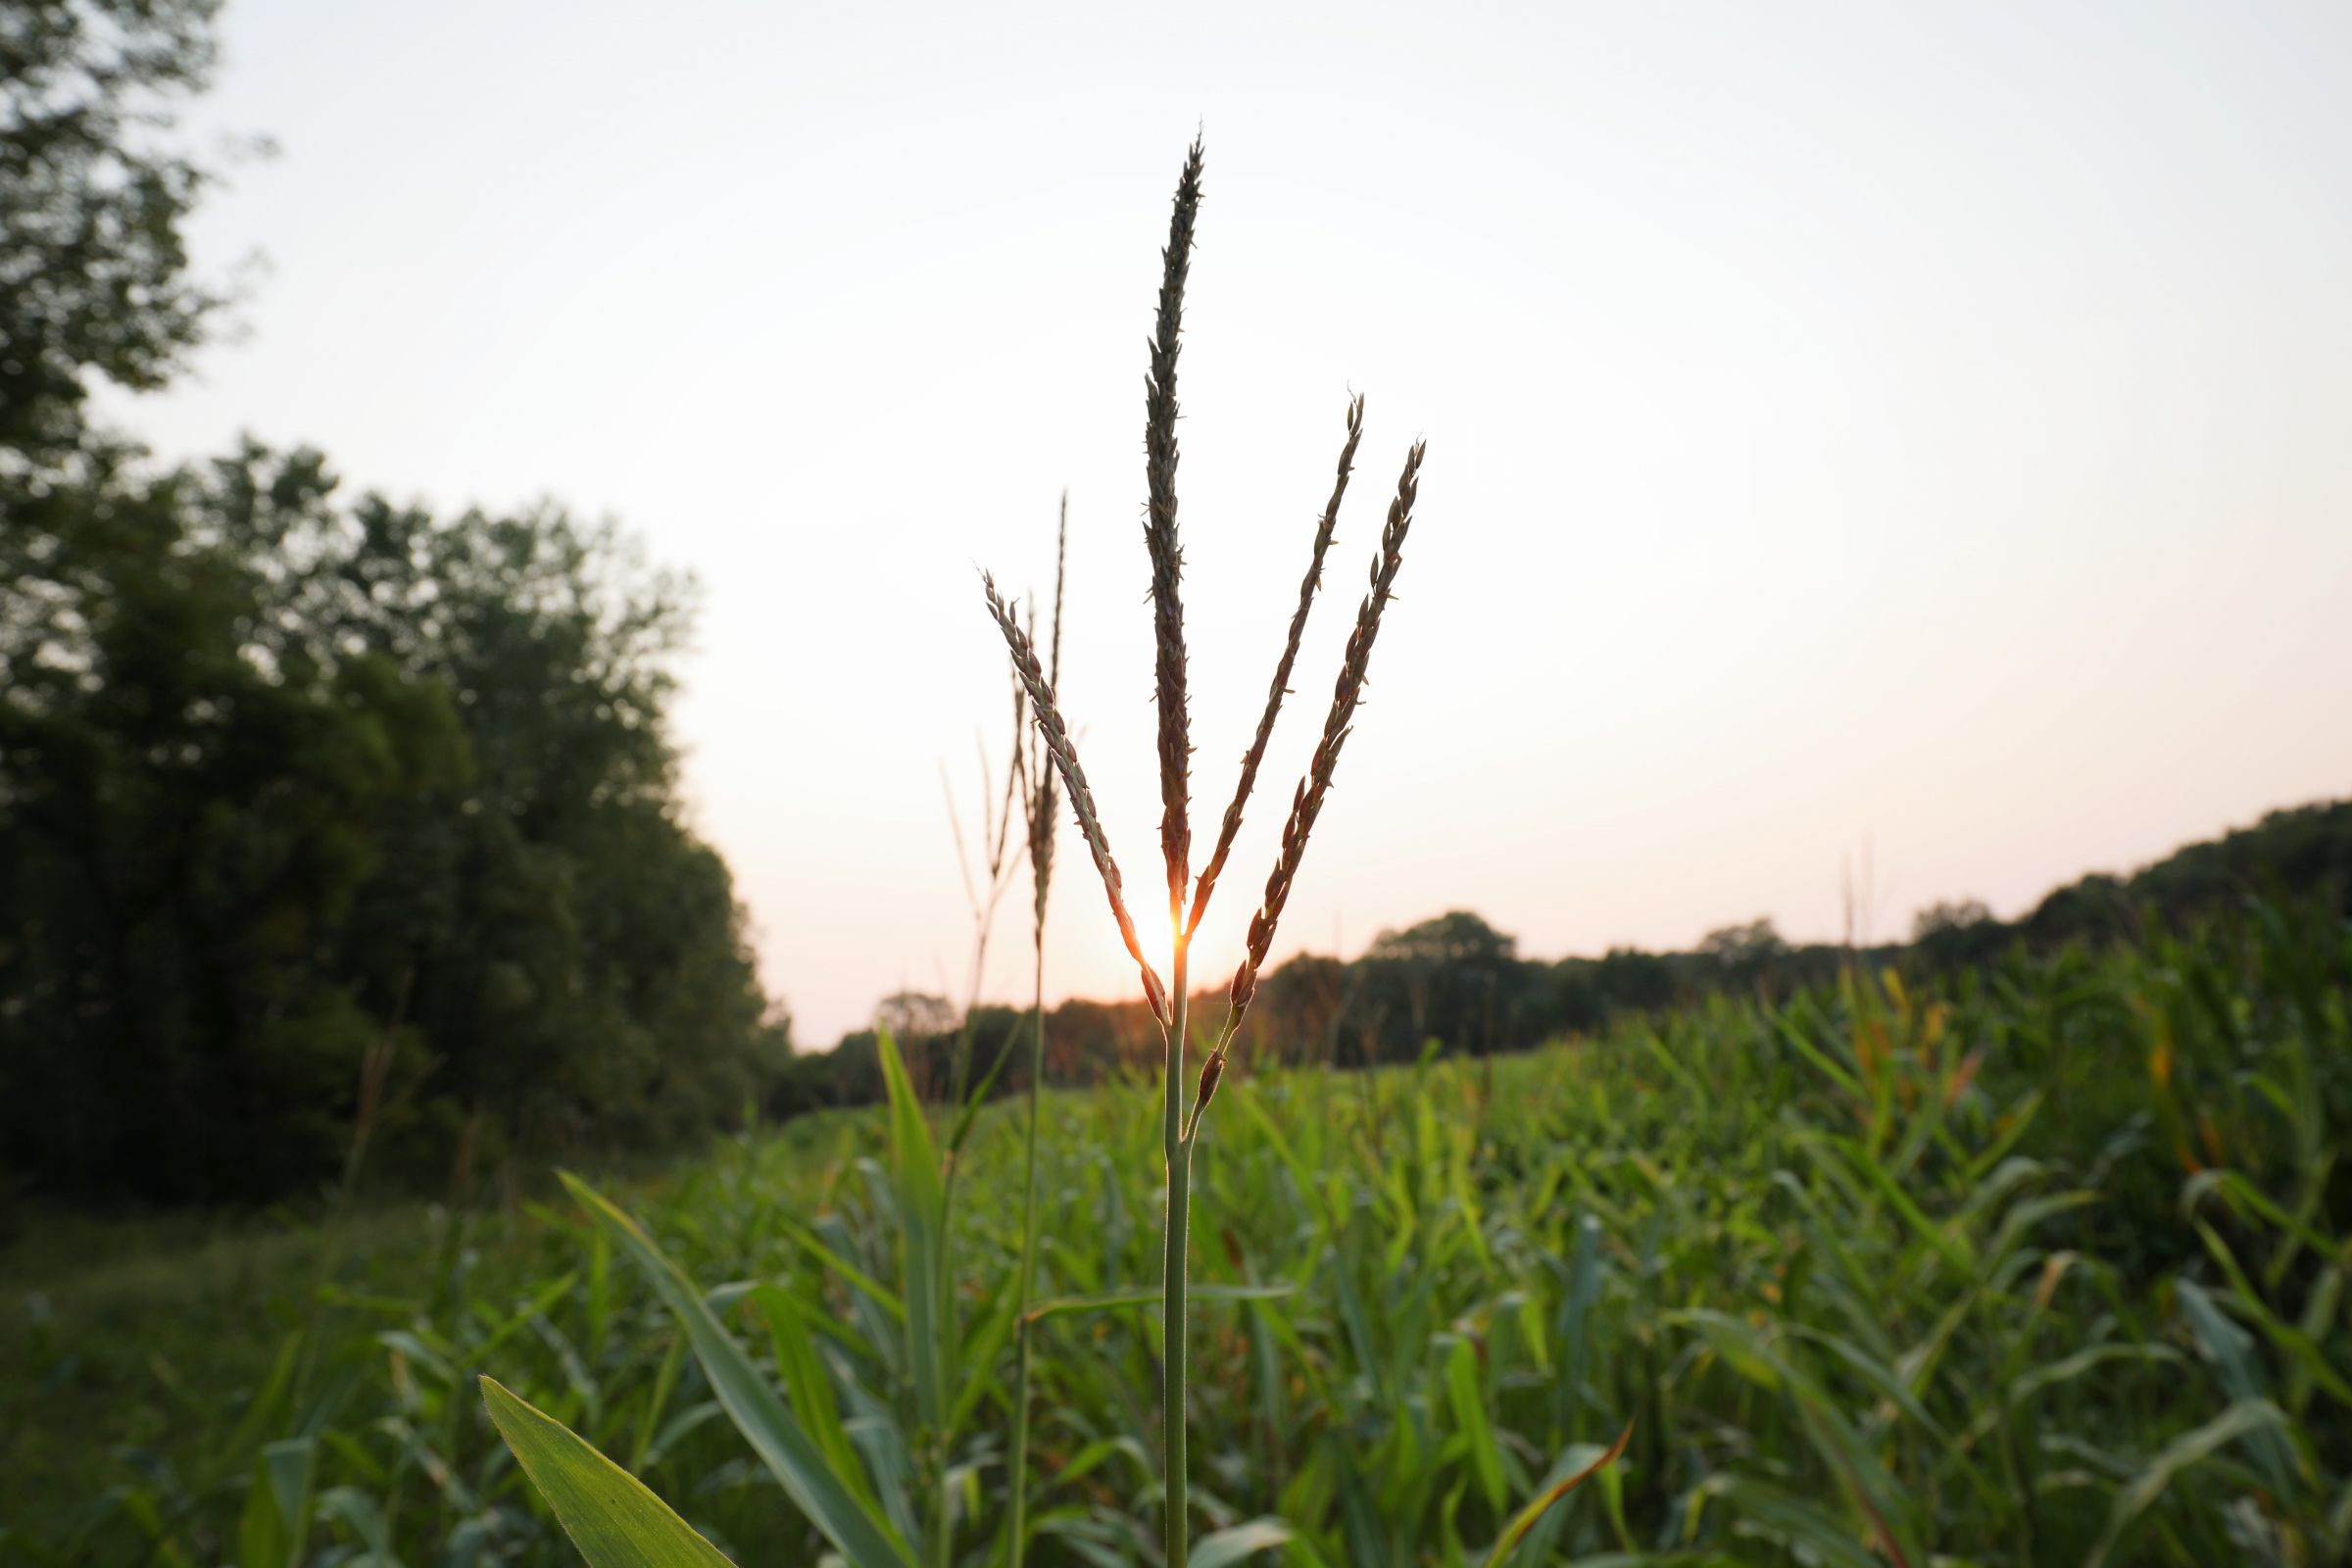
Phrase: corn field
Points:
(2042, 1267)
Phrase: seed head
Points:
(1160, 536)
(1308, 801)
(1064, 753)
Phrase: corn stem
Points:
(1018, 1525)
(1174, 1267)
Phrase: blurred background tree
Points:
(94, 277)
(282, 781)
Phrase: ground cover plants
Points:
(2042, 1264)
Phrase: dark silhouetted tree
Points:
(284, 781)
(94, 194)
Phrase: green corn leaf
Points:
(2230, 1349)
(2064, 1370)
(609, 1513)
(1525, 1519)
(1791, 1519)
(666, 1379)
(2184, 1453)
(1469, 1403)
(865, 1282)
(980, 1352)
(809, 1386)
(922, 1202)
(1225, 1547)
(974, 1101)
(556, 1288)
(1949, 1244)
(358, 1512)
(276, 1524)
(270, 1401)
(763, 1419)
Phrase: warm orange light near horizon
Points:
(1906, 423)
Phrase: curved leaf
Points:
(763, 1419)
(611, 1515)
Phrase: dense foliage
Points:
(94, 277)
(2042, 1264)
(318, 817)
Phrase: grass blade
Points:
(2184, 1453)
(922, 1198)
(1525, 1519)
(611, 1515)
(763, 1419)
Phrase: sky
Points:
(1911, 436)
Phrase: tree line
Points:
(315, 813)
(1456, 985)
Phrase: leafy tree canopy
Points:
(300, 797)
(95, 277)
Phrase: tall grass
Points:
(2016, 1268)
(1180, 1129)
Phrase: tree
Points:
(1743, 947)
(1453, 978)
(912, 1015)
(1954, 914)
(1628, 977)
(1455, 937)
(287, 786)
(95, 277)
(1744, 956)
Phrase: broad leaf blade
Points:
(1525, 1519)
(762, 1418)
(1238, 1543)
(2184, 1453)
(922, 1200)
(609, 1513)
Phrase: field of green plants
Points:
(2043, 1266)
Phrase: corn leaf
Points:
(611, 1515)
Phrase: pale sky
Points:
(1920, 426)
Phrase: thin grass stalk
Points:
(1175, 827)
(1175, 1346)
(996, 831)
(1043, 816)
(1064, 753)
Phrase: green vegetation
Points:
(337, 840)
(2026, 1265)
(323, 821)
(1456, 979)
(94, 277)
